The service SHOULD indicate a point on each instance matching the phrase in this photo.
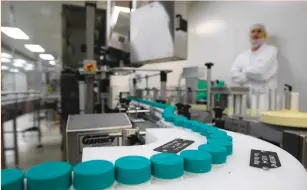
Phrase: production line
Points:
(118, 134)
(154, 170)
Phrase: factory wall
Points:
(218, 32)
(14, 81)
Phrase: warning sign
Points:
(89, 66)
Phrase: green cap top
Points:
(12, 179)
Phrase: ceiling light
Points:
(46, 56)
(52, 62)
(3, 67)
(29, 67)
(14, 70)
(18, 64)
(15, 33)
(5, 60)
(35, 48)
(6, 55)
(19, 61)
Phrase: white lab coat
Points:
(256, 70)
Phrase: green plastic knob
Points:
(93, 175)
(12, 179)
(49, 176)
(132, 170)
(218, 153)
(196, 161)
(221, 142)
(167, 166)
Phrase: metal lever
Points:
(209, 65)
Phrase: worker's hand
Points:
(240, 78)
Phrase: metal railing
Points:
(14, 104)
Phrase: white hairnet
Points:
(259, 26)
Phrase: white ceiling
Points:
(40, 20)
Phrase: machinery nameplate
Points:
(94, 140)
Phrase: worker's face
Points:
(256, 34)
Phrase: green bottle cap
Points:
(12, 179)
(216, 132)
(221, 142)
(132, 170)
(202, 129)
(187, 124)
(93, 175)
(167, 165)
(195, 126)
(179, 120)
(218, 153)
(196, 161)
(170, 117)
(220, 136)
(49, 176)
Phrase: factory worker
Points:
(256, 67)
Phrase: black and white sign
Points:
(174, 146)
(264, 159)
(94, 140)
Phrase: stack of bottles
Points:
(130, 169)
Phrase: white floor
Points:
(29, 154)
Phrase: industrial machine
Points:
(109, 60)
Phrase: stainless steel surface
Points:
(230, 105)
(148, 18)
(118, 69)
(119, 38)
(287, 100)
(193, 72)
(137, 111)
(3, 156)
(163, 90)
(138, 93)
(88, 130)
(155, 94)
(90, 31)
(13, 97)
(82, 90)
(89, 106)
(191, 83)
(96, 121)
(108, 21)
(229, 90)
(243, 104)
(237, 105)
(209, 89)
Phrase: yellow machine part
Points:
(285, 118)
(279, 118)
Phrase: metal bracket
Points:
(181, 24)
